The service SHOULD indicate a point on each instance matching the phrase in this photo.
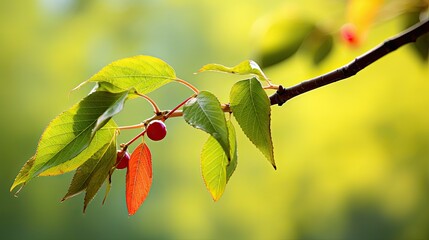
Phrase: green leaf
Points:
(204, 112)
(143, 73)
(323, 50)
(215, 167)
(101, 138)
(318, 45)
(71, 132)
(230, 168)
(243, 68)
(23, 174)
(116, 104)
(93, 173)
(280, 36)
(251, 108)
(101, 173)
(108, 185)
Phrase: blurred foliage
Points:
(279, 36)
(421, 46)
(352, 158)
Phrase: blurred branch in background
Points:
(408, 36)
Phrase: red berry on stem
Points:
(122, 159)
(156, 130)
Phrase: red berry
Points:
(349, 34)
(156, 130)
(122, 159)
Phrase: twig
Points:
(179, 113)
(408, 36)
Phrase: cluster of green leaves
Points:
(84, 138)
(251, 108)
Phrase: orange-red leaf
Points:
(139, 178)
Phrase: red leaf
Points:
(139, 178)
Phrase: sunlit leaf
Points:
(143, 73)
(251, 108)
(23, 174)
(70, 133)
(215, 167)
(243, 68)
(101, 138)
(204, 112)
(116, 105)
(91, 175)
(138, 178)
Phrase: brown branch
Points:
(408, 36)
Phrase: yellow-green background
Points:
(353, 157)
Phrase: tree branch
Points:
(410, 35)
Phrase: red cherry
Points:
(349, 34)
(156, 130)
(122, 159)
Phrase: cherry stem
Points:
(152, 102)
(196, 91)
(161, 115)
(170, 113)
(140, 125)
(125, 146)
(225, 108)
